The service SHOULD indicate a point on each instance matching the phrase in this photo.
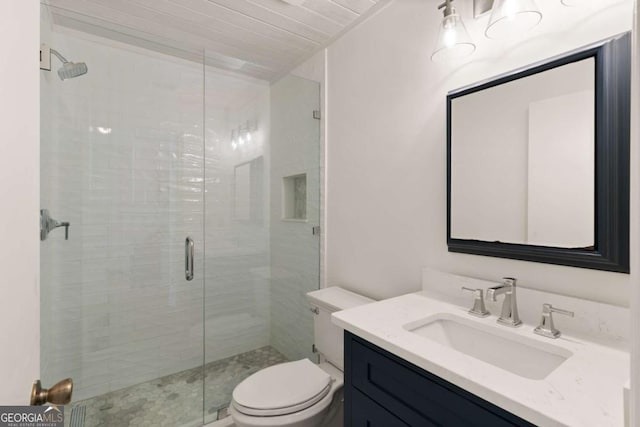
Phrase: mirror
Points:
(538, 161)
(248, 192)
(520, 185)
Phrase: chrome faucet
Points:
(509, 315)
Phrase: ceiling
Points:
(259, 38)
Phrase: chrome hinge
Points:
(45, 57)
(313, 348)
(315, 230)
(317, 115)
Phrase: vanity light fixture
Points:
(512, 17)
(242, 134)
(454, 41)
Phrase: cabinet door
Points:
(414, 396)
(367, 413)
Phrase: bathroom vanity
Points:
(383, 389)
(415, 360)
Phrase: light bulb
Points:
(449, 37)
(453, 39)
(510, 18)
(509, 9)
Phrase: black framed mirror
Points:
(538, 161)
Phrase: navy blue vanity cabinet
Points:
(384, 390)
(371, 414)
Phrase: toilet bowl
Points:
(292, 394)
(301, 393)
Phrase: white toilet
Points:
(301, 393)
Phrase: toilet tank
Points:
(328, 338)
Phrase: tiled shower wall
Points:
(237, 277)
(123, 160)
(295, 250)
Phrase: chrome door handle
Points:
(188, 258)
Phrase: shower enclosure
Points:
(184, 269)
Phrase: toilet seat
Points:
(292, 386)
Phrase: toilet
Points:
(301, 393)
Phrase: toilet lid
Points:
(282, 389)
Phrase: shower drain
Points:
(78, 414)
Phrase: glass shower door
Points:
(262, 255)
(122, 161)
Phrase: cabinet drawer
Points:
(367, 413)
(417, 396)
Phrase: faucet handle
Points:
(551, 309)
(546, 327)
(479, 309)
(509, 281)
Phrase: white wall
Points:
(386, 207)
(19, 192)
(560, 206)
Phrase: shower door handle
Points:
(188, 258)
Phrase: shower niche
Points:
(294, 197)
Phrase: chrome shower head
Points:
(69, 70)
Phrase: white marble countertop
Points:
(585, 390)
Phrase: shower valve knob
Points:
(48, 224)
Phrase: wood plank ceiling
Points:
(258, 38)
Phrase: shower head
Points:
(69, 70)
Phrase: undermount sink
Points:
(525, 357)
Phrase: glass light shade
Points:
(510, 18)
(454, 41)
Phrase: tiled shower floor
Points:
(174, 400)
